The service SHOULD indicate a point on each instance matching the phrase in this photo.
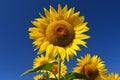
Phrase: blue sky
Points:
(16, 49)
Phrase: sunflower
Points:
(113, 76)
(41, 61)
(39, 77)
(92, 67)
(59, 32)
(54, 72)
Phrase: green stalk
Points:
(47, 75)
(59, 66)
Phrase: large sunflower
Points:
(113, 76)
(59, 32)
(92, 67)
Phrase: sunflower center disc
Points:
(91, 72)
(55, 69)
(60, 33)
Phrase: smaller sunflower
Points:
(55, 70)
(41, 61)
(113, 76)
(39, 77)
(92, 67)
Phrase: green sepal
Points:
(47, 67)
(71, 76)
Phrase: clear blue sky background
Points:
(16, 49)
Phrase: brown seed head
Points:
(60, 33)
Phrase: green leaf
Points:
(47, 67)
(71, 76)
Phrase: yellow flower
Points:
(92, 67)
(55, 70)
(59, 32)
(113, 76)
(39, 77)
(41, 61)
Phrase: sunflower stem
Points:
(47, 75)
(59, 66)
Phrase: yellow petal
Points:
(49, 49)
(67, 53)
(46, 12)
(80, 42)
(42, 21)
(36, 23)
(69, 13)
(59, 9)
(54, 52)
(78, 21)
(73, 17)
(73, 51)
(81, 29)
(36, 35)
(41, 16)
(52, 10)
(70, 54)
(75, 47)
(36, 29)
(43, 47)
(82, 36)
(72, 11)
(37, 47)
(38, 41)
(33, 29)
(82, 19)
(64, 10)
(62, 53)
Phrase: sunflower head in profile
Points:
(41, 60)
(112, 76)
(59, 32)
(91, 67)
(39, 77)
(55, 71)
